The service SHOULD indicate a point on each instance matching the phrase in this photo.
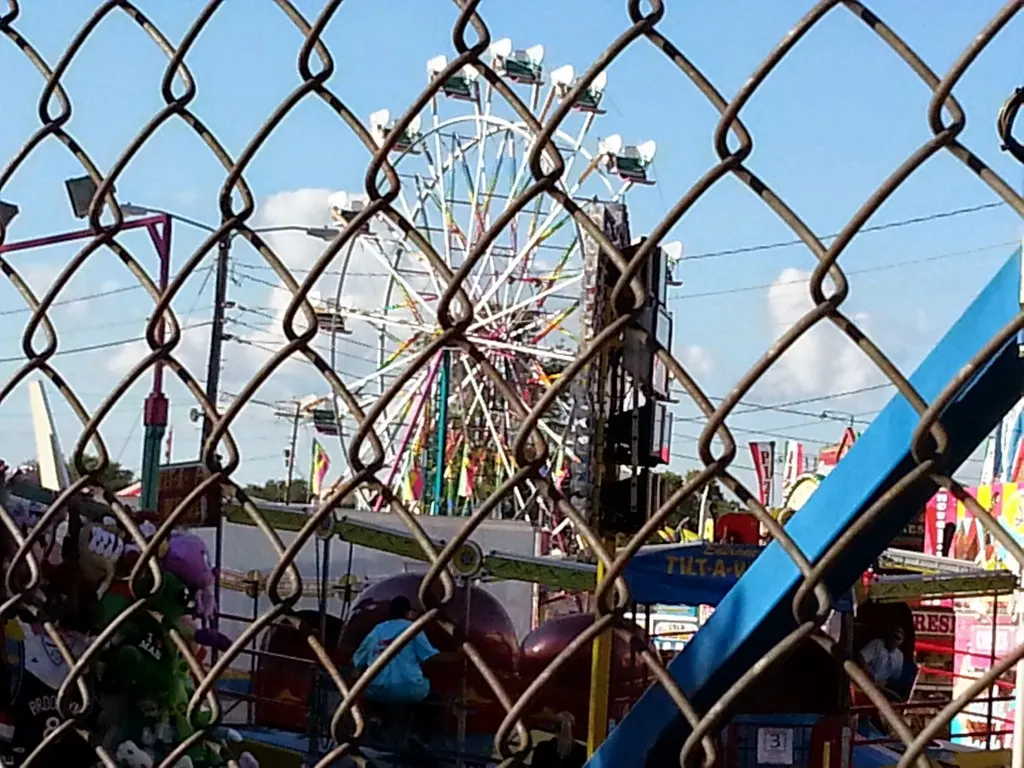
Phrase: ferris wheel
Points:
(448, 434)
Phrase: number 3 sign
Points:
(775, 746)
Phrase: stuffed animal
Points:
(147, 669)
(188, 559)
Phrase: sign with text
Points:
(934, 623)
(176, 482)
(775, 746)
(763, 455)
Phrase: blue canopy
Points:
(698, 573)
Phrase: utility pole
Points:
(213, 499)
(220, 290)
(291, 453)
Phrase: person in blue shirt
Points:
(402, 681)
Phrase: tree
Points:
(274, 490)
(689, 509)
(114, 477)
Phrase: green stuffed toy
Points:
(149, 678)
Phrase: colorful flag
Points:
(318, 470)
(1008, 447)
(794, 466)
(831, 455)
(764, 467)
(466, 474)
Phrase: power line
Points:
(862, 271)
(75, 300)
(874, 228)
(98, 346)
(91, 328)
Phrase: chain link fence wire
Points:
(25, 545)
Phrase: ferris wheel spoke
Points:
(476, 181)
(495, 437)
(545, 323)
(382, 321)
(492, 184)
(354, 385)
(529, 301)
(422, 393)
(535, 239)
(549, 353)
(411, 292)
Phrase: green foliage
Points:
(274, 490)
(689, 509)
(114, 478)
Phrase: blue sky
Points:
(839, 114)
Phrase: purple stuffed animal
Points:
(188, 559)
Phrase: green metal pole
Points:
(442, 431)
(150, 475)
(155, 410)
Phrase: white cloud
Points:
(698, 360)
(191, 352)
(41, 276)
(364, 288)
(823, 361)
(82, 308)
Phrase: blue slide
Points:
(756, 614)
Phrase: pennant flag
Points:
(318, 470)
(466, 474)
(1010, 436)
(794, 466)
(831, 455)
(764, 467)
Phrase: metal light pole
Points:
(214, 500)
(154, 418)
(158, 226)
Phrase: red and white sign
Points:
(832, 454)
(934, 623)
(764, 466)
(794, 466)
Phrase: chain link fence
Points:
(27, 547)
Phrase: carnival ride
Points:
(448, 432)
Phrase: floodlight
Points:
(535, 55)
(628, 161)
(436, 65)
(610, 145)
(381, 127)
(647, 150)
(136, 210)
(501, 49)
(379, 122)
(338, 201)
(462, 85)
(7, 213)
(81, 191)
(344, 207)
(673, 251)
(563, 78)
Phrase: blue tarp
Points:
(687, 574)
(698, 573)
